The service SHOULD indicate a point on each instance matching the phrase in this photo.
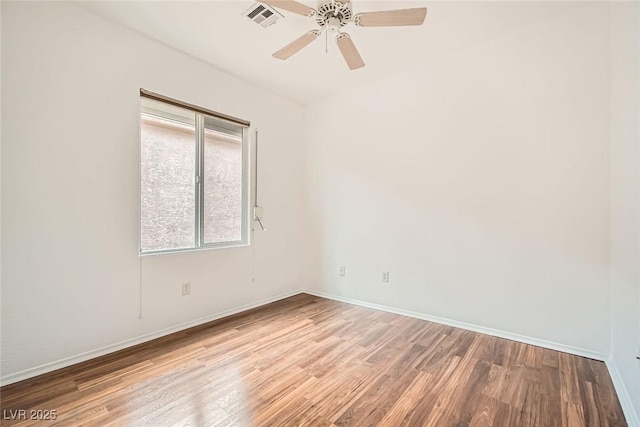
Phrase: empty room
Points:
(320, 213)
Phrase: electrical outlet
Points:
(385, 277)
(186, 289)
(342, 271)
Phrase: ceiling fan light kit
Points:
(332, 15)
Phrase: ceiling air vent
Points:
(262, 14)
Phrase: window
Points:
(193, 170)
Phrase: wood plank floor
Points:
(311, 361)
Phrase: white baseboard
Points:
(633, 419)
(468, 326)
(68, 361)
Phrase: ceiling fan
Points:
(332, 15)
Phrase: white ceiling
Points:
(216, 32)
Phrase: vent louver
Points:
(262, 14)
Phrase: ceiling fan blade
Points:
(391, 18)
(349, 51)
(296, 45)
(291, 6)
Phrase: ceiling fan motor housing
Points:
(333, 15)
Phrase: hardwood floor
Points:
(311, 361)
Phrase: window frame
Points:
(200, 116)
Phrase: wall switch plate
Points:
(186, 289)
(342, 270)
(385, 277)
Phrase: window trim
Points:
(188, 106)
(199, 123)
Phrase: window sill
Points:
(204, 248)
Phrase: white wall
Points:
(625, 202)
(480, 180)
(70, 189)
(0, 184)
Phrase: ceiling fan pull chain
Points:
(326, 42)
